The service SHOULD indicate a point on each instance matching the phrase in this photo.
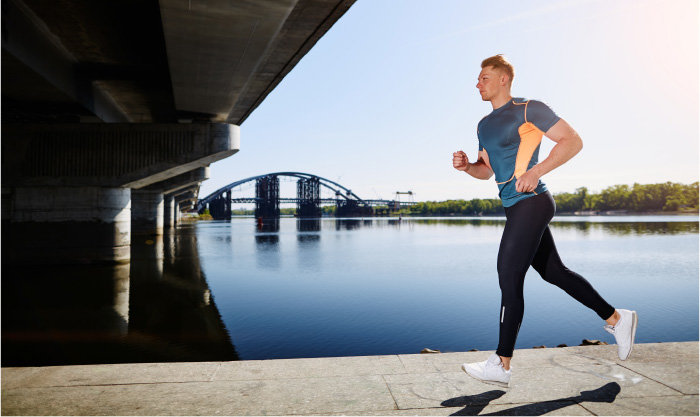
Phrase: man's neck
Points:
(501, 100)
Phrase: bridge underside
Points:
(112, 111)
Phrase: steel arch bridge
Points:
(267, 199)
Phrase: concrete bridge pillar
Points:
(67, 187)
(147, 208)
(67, 225)
(168, 212)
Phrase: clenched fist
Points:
(460, 161)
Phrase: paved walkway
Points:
(658, 379)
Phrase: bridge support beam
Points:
(220, 207)
(267, 193)
(186, 205)
(177, 214)
(185, 200)
(168, 212)
(309, 195)
(175, 186)
(147, 208)
(65, 225)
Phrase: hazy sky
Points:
(383, 99)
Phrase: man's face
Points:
(489, 83)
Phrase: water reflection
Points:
(308, 225)
(609, 226)
(309, 242)
(349, 224)
(64, 314)
(175, 311)
(308, 229)
(147, 254)
(267, 241)
(631, 228)
(268, 225)
(157, 308)
(622, 228)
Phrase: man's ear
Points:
(504, 78)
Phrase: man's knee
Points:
(554, 273)
(511, 285)
(507, 268)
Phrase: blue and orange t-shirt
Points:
(511, 136)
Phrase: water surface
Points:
(380, 286)
(342, 287)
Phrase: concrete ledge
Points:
(658, 379)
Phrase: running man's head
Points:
(495, 78)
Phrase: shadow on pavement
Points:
(474, 404)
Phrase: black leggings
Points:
(527, 241)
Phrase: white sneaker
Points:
(624, 332)
(490, 371)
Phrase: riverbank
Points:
(657, 379)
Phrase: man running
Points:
(509, 143)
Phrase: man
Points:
(509, 139)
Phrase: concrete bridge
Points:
(112, 111)
(267, 198)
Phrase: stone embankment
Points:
(657, 379)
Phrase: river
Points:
(343, 287)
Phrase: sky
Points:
(385, 97)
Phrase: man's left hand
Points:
(527, 182)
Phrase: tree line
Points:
(638, 198)
(665, 197)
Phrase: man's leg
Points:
(526, 221)
(549, 265)
(621, 323)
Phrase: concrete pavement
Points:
(657, 379)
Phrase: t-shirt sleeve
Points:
(541, 115)
(478, 135)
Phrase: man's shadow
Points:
(474, 404)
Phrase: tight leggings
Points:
(527, 241)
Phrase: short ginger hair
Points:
(500, 62)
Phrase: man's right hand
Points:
(460, 161)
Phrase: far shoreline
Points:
(558, 214)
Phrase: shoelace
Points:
(610, 329)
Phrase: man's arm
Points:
(481, 169)
(569, 143)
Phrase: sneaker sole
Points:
(496, 383)
(635, 319)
